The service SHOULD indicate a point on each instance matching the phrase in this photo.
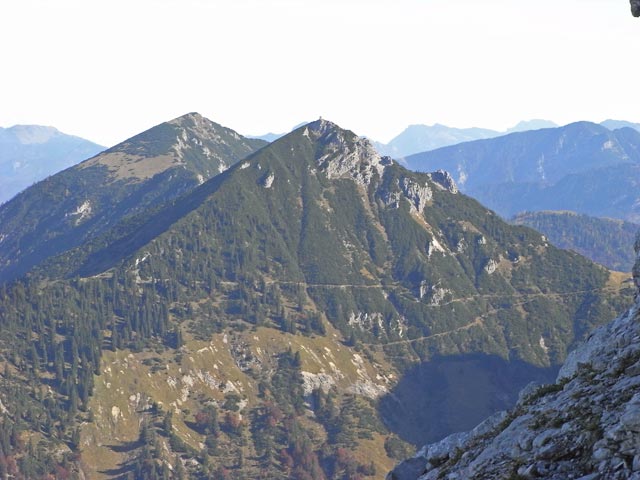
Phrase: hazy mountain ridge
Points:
(30, 153)
(535, 124)
(617, 124)
(422, 138)
(272, 137)
(416, 139)
(581, 167)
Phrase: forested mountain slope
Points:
(603, 240)
(585, 425)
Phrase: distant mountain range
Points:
(421, 138)
(272, 137)
(30, 153)
(616, 124)
(582, 167)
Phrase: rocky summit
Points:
(585, 426)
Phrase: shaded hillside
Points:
(431, 400)
(585, 425)
(605, 241)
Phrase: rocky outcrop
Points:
(635, 8)
(345, 154)
(585, 426)
(418, 195)
(444, 180)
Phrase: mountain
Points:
(30, 153)
(617, 124)
(535, 124)
(582, 167)
(85, 200)
(603, 240)
(272, 137)
(420, 138)
(268, 137)
(269, 321)
(585, 425)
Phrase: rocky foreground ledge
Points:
(585, 426)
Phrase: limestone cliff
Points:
(585, 426)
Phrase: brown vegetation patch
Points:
(124, 166)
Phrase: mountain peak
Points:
(344, 154)
(533, 124)
(188, 119)
(33, 134)
(201, 126)
(322, 125)
(191, 141)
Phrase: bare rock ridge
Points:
(191, 138)
(585, 426)
(346, 157)
(444, 180)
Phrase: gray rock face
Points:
(418, 195)
(353, 157)
(444, 180)
(635, 8)
(585, 426)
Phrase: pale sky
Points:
(106, 70)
